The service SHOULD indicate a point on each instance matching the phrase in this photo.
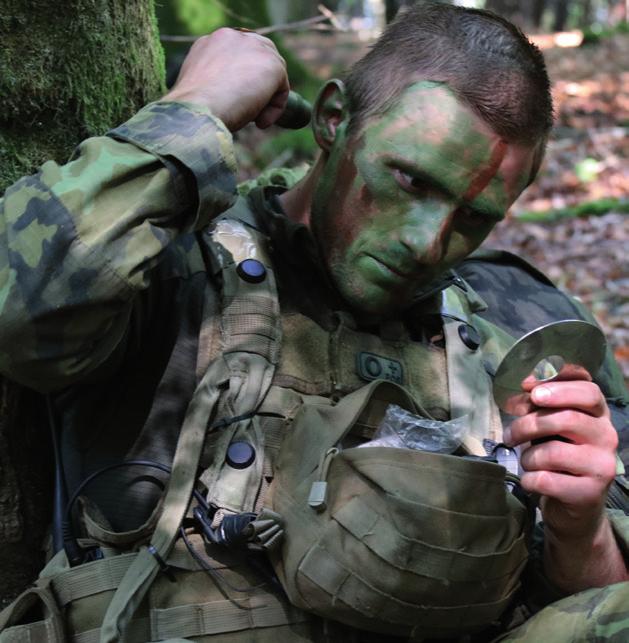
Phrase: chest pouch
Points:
(392, 540)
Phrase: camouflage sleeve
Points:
(539, 591)
(78, 241)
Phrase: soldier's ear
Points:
(328, 112)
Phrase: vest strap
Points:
(90, 578)
(251, 332)
(218, 617)
(469, 383)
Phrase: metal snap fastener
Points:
(469, 336)
(240, 455)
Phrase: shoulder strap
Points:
(470, 361)
(251, 333)
(250, 345)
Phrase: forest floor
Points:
(586, 168)
(587, 161)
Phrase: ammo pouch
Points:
(391, 540)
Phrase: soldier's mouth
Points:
(397, 272)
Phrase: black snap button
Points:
(469, 336)
(240, 455)
(251, 271)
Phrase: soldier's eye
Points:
(409, 183)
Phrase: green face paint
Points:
(412, 195)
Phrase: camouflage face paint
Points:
(415, 192)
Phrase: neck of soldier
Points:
(297, 201)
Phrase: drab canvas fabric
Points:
(75, 600)
(396, 543)
(241, 374)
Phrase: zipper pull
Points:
(317, 499)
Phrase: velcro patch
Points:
(373, 367)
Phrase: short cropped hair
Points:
(484, 59)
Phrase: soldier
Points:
(238, 350)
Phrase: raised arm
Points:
(78, 241)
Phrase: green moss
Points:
(300, 143)
(589, 208)
(70, 70)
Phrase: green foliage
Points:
(300, 142)
(589, 208)
(587, 170)
(197, 17)
(595, 33)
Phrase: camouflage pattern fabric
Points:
(496, 275)
(499, 276)
(592, 616)
(78, 241)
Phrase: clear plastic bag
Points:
(403, 430)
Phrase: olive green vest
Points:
(242, 371)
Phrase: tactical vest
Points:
(251, 393)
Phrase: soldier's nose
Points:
(428, 241)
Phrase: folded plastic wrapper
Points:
(403, 430)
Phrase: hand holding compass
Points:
(568, 444)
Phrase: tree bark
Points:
(561, 14)
(586, 14)
(506, 8)
(537, 12)
(68, 70)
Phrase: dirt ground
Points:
(588, 256)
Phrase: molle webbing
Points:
(320, 361)
(240, 375)
(146, 565)
(237, 370)
(392, 540)
(207, 614)
(250, 337)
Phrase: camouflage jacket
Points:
(102, 287)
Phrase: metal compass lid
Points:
(560, 350)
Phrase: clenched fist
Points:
(239, 76)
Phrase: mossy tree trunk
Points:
(68, 70)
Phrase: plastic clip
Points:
(162, 564)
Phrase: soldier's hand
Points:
(572, 476)
(239, 76)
